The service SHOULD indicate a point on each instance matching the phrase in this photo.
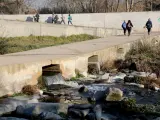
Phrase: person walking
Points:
(149, 25)
(129, 27)
(63, 19)
(124, 26)
(52, 17)
(70, 19)
(56, 19)
(37, 17)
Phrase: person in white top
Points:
(53, 17)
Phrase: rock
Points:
(92, 76)
(49, 116)
(135, 84)
(79, 111)
(6, 108)
(144, 74)
(87, 112)
(31, 90)
(11, 118)
(114, 94)
(117, 78)
(105, 76)
(101, 73)
(10, 104)
(91, 116)
(95, 92)
(140, 85)
(98, 112)
(35, 109)
(77, 114)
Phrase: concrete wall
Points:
(17, 28)
(108, 20)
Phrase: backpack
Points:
(149, 25)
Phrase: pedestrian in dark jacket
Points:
(37, 17)
(149, 26)
(129, 27)
(124, 26)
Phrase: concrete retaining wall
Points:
(107, 20)
(16, 28)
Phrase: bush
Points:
(146, 55)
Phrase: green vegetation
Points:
(19, 44)
(78, 75)
(131, 106)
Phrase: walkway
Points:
(68, 50)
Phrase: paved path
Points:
(68, 50)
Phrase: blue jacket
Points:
(124, 25)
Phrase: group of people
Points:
(55, 19)
(128, 26)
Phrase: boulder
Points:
(95, 113)
(144, 74)
(10, 104)
(114, 94)
(94, 92)
(98, 112)
(85, 111)
(36, 109)
(79, 111)
(117, 78)
(6, 108)
(105, 76)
